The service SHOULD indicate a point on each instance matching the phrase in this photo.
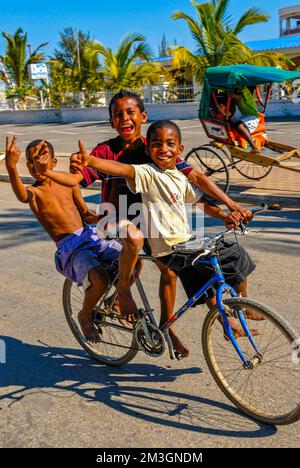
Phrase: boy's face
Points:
(127, 119)
(164, 148)
(222, 109)
(32, 166)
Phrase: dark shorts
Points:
(235, 262)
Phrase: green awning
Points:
(235, 76)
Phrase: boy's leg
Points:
(132, 244)
(243, 130)
(167, 294)
(99, 281)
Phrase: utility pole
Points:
(78, 52)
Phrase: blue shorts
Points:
(83, 250)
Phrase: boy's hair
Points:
(126, 94)
(163, 124)
(36, 142)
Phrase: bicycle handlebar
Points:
(254, 211)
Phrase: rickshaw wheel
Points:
(208, 161)
(250, 170)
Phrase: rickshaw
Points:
(227, 148)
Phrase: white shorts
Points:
(251, 123)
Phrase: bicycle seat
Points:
(194, 245)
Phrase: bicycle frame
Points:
(218, 280)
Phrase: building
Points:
(288, 42)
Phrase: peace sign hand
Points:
(83, 155)
(40, 157)
(13, 153)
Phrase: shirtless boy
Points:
(61, 211)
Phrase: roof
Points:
(271, 44)
(232, 76)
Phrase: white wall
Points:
(174, 111)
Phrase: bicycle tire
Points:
(91, 349)
(215, 167)
(248, 407)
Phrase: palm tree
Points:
(130, 66)
(216, 39)
(70, 59)
(15, 62)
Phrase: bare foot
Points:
(117, 309)
(179, 346)
(127, 305)
(237, 329)
(88, 328)
(251, 315)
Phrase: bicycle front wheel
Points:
(117, 344)
(270, 390)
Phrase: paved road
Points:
(65, 137)
(53, 395)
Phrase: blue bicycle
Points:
(259, 374)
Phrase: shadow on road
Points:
(142, 391)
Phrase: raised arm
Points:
(41, 160)
(113, 168)
(11, 160)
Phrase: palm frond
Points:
(250, 17)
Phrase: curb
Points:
(245, 197)
(269, 199)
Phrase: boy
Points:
(161, 184)
(245, 116)
(127, 114)
(60, 211)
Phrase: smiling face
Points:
(127, 118)
(164, 147)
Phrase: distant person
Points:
(245, 116)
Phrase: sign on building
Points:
(38, 71)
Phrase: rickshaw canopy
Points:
(239, 76)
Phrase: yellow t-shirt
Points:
(164, 195)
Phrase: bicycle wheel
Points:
(208, 161)
(250, 170)
(269, 392)
(117, 345)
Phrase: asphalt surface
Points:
(65, 137)
(53, 395)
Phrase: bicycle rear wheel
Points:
(117, 344)
(270, 391)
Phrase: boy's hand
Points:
(84, 155)
(79, 160)
(13, 153)
(40, 157)
(246, 214)
(233, 220)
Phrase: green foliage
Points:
(217, 42)
(121, 70)
(16, 61)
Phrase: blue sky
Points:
(109, 21)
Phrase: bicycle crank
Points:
(149, 339)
